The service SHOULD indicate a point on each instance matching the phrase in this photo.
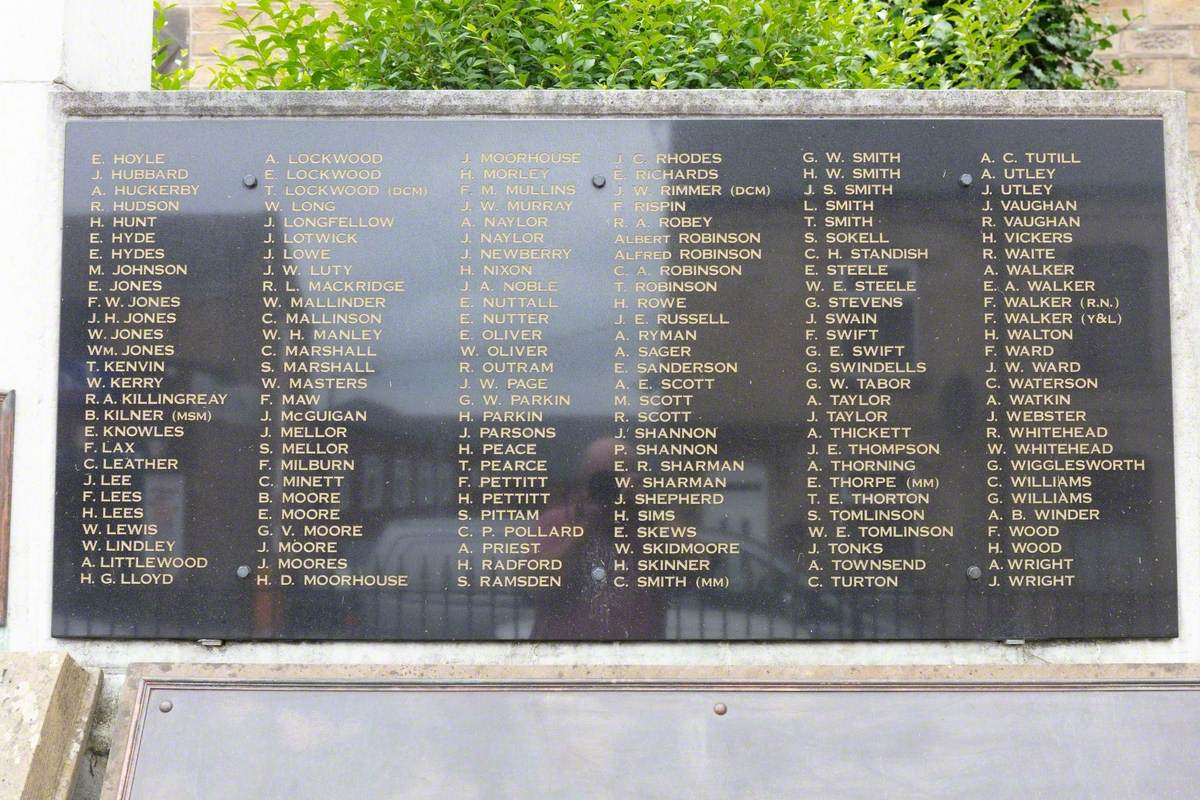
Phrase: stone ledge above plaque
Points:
(260, 733)
(746, 367)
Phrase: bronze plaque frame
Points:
(145, 679)
(8, 405)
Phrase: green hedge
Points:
(661, 44)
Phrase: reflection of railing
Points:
(429, 612)
(477, 613)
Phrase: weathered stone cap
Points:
(46, 705)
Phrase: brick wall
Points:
(200, 20)
(1163, 43)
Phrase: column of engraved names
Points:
(137, 410)
(326, 313)
(514, 258)
(1045, 448)
(671, 261)
(869, 479)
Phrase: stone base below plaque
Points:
(46, 704)
(260, 733)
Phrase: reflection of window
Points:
(445, 484)
(426, 484)
(1125, 287)
(744, 513)
(898, 325)
(402, 493)
(372, 483)
(172, 52)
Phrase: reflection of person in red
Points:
(597, 600)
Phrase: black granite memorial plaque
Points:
(667, 379)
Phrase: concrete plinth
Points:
(46, 705)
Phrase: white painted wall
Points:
(57, 45)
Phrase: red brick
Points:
(1194, 139)
(202, 44)
(1157, 42)
(1185, 74)
(1172, 12)
(1193, 105)
(1155, 73)
(1111, 9)
(207, 20)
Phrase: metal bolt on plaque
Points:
(249, 181)
(598, 181)
(965, 179)
(974, 572)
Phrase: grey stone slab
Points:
(626, 102)
(46, 704)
